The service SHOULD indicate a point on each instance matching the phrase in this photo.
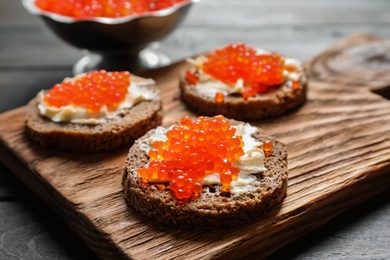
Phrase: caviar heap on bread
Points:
(94, 112)
(243, 83)
(104, 8)
(205, 173)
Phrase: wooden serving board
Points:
(338, 153)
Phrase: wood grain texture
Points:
(360, 60)
(339, 156)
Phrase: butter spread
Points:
(137, 92)
(251, 162)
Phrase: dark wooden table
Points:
(33, 58)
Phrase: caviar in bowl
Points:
(116, 43)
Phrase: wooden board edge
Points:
(327, 209)
(331, 207)
(99, 242)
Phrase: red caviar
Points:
(91, 91)
(192, 78)
(193, 149)
(239, 61)
(219, 98)
(296, 85)
(267, 147)
(103, 8)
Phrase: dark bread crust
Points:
(83, 138)
(211, 210)
(276, 102)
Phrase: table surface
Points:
(33, 58)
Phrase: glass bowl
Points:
(123, 43)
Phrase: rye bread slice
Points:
(211, 210)
(278, 101)
(84, 138)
